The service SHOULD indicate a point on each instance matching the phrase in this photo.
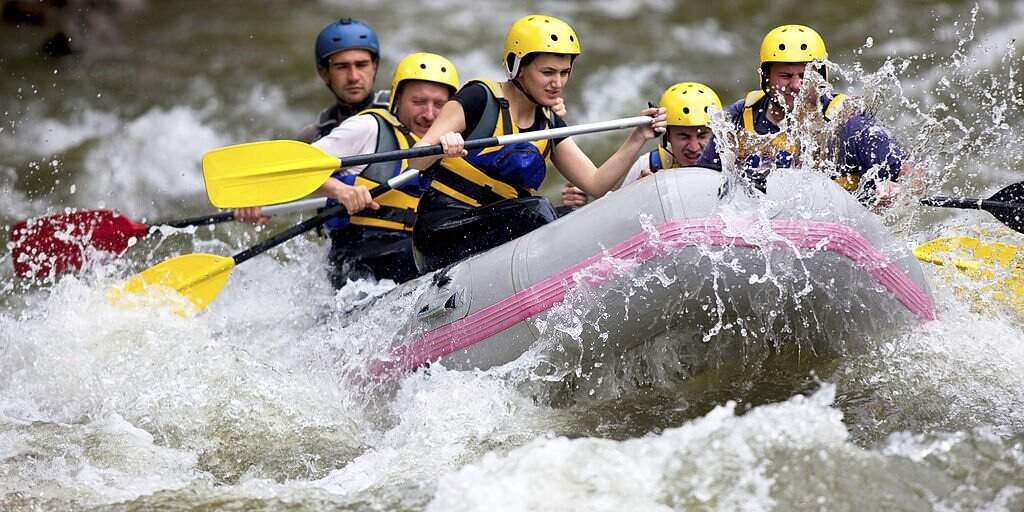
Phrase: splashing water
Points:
(262, 402)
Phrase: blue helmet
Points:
(346, 34)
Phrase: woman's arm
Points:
(451, 120)
(641, 169)
(577, 167)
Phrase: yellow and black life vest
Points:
(464, 179)
(849, 182)
(397, 207)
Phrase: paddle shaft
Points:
(318, 220)
(436, 149)
(966, 203)
(503, 140)
(267, 211)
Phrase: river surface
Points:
(256, 404)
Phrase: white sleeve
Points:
(642, 164)
(356, 135)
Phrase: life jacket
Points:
(493, 174)
(397, 206)
(332, 116)
(660, 159)
(829, 106)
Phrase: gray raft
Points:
(804, 261)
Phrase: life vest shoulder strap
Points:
(326, 122)
(491, 85)
(397, 207)
(389, 124)
(833, 106)
(654, 160)
(752, 97)
(749, 101)
(496, 114)
(381, 113)
(391, 136)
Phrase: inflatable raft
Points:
(802, 261)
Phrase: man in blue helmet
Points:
(347, 54)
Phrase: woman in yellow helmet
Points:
(870, 161)
(483, 198)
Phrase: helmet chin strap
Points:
(515, 82)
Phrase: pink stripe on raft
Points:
(491, 320)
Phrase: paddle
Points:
(992, 263)
(57, 243)
(983, 261)
(192, 281)
(262, 173)
(973, 253)
(1007, 205)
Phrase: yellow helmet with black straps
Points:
(537, 33)
(791, 43)
(428, 67)
(689, 104)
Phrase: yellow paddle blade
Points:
(264, 173)
(187, 284)
(994, 265)
(966, 253)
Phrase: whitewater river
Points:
(261, 403)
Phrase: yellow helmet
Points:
(428, 67)
(792, 43)
(689, 104)
(537, 33)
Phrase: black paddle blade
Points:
(1010, 206)
(1011, 194)
(1012, 216)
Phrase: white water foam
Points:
(718, 462)
(42, 136)
(125, 171)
